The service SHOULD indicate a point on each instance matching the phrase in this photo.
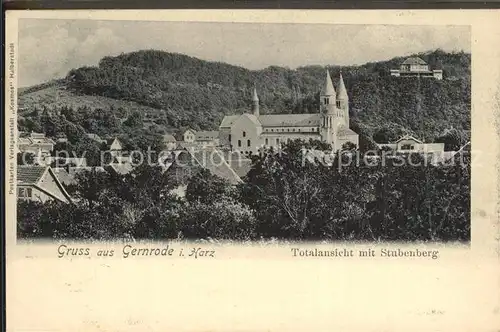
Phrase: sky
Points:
(49, 48)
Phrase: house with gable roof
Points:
(416, 67)
(200, 138)
(40, 184)
(408, 143)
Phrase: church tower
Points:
(343, 99)
(328, 110)
(255, 103)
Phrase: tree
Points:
(207, 188)
(25, 158)
(222, 220)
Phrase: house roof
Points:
(414, 61)
(328, 89)
(409, 137)
(24, 140)
(27, 174)
(213, 160)
(38, 139)
(111, 141)
(279, 120)
(210, 159)
(31, 175)
(207, 135)
(228, 120)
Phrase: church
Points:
(249, 132)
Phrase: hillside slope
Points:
(173, 91)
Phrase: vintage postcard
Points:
(252, 171)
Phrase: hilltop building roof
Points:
(414, 61)
(409, 137)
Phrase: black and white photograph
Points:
(243, 132)
(254, 170)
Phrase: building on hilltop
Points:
(416, 67)
(249, 132)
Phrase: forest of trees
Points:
(189, 92)
(281, 198)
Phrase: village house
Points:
(207, 138)
(40, 184)
(37, 144)
(249, 132)
(193, 138)
(409, 143)
(416, 67)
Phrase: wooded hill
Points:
(163, 91)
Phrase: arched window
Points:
(244, 134)
(248, 142)
(267, 141)
(229, 138)
(239, 143)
